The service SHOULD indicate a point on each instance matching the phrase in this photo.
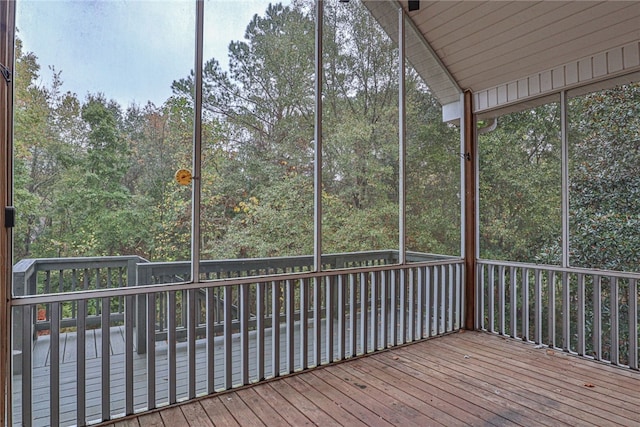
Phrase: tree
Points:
(605, 179)
(42, 154)
(520, 186)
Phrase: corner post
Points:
(470, 205)
(7, 23)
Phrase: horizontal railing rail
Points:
(269, 326)
(588, 312)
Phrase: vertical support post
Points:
(564, 135)
(7, 22)
(197, 147)
(470, 219)
(402, 130)
(317, 164)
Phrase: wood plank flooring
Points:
(468, 378)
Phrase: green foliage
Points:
(520, 185)
(605, 179)
(94, 179)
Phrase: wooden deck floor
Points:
(468, 378)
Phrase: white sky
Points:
(130, 50)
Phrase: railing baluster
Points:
(260, 316)
(317, 322)
(551, 286)
(491, 294)
(183, 310)
(151, 351)
(129, 349)
(228, 331)
(352, 314)
(244, 332)
(538, 306)
(443, 299)
(614, 300)
(581, 317)
(364, 309)
(341, 294)
(275, 329)
(633, 324)
(122, 275)
(394, 310)
(74, 287)
(304, 324)
(437, 308)
(428, 300)
(566, 314)
(289, 314)
(47, 290)
(525, 305)
(480, 308)
(81, 394)
(513, 305)
(375, 284)
(171, 346)
(27, 365)
(597, 317)
(450, 297)
(54, 372)
(109, 280)
(329, 293)
(384, 325)
(459, 297)
(411, 320)
(501, 300)
(191, 341)
(420, 311)
(105, 354)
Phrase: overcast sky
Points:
(130, 50)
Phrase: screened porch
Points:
(375, 213)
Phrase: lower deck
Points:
(466, 378)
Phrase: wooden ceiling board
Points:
(558, 57)
(458, 13)
(431, 8)
(490, 12)
(561, 44)
(492, 42)
(491, 31)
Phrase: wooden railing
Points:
(592, 313)
(247, 324)
(46, 276)
(63, 275)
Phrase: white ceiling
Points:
(485, 45)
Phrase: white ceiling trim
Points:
(604, 65)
